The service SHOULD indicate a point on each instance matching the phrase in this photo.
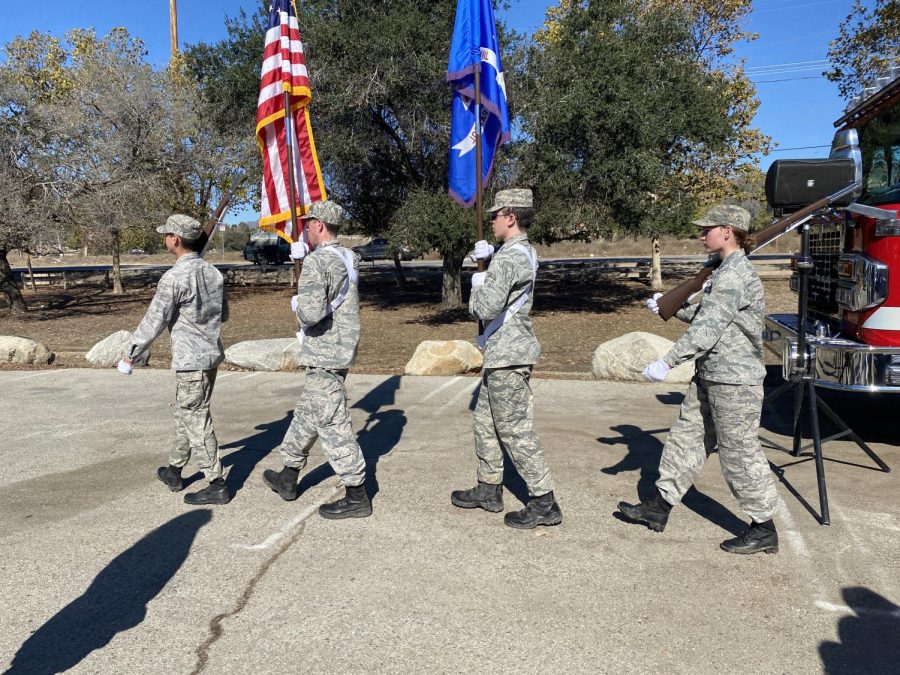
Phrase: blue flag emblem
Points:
(475, 41)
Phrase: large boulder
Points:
(23, 350)
(269, 355)
(625, 357)
(110, 350)
(444, 357)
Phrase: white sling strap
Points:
(517, 304)
(352, 278)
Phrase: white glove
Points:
(478, 279)
(657, 371)
(299, 250)
(124, 366)
(483, 251)
(294, 300)
(651, 303)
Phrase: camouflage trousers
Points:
(322, 413)
(194, 433)
(504, 420)
(727, 416)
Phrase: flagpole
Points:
(289, 137)
(479, 205)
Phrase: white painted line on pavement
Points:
(801, 550)
(248, 376)
(25, 377)
(860, 546)
(435, 392)
(859, 611)
(273, 538)
(449, 404)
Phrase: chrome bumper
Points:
(839, 363)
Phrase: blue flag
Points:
(475, 41)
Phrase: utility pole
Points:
(173, 28)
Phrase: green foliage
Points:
(615, 97)
(867, 40)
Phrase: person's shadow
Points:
(379, 435)
(115, 601)
(868, 642)
(644, 452)
(253, 448)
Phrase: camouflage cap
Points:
(726, 214)
(328, 212)
(515, 197)
(184, 226)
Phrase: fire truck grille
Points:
(825, 245)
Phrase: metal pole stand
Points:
(807, 402)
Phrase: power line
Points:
(792, 6)
(790, 79)
(805, 147)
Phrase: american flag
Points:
(284, 70)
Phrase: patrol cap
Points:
(328, 212)
(184, 226)
(514, 197)
(726, 214)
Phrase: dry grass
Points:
(573, 314)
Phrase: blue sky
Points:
(797, 105)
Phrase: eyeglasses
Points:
(497, 214)
(706, 230)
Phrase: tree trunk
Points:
(451, 287)
(656, 283)
(398, 268)
(8, 287)
(30, 272)
(116, 266)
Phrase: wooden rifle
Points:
(671, 302)
(209, 227)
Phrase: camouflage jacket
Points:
(508, 276)
(331, 339)
(725, 335)
(190, 301)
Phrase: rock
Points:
(444, 357)
(625, 357)
(268, 355)
(110, 350)
(23, 350)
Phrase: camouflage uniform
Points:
(724, 402)
(190, 301)
(328, 350)
(504, 415)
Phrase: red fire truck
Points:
(853, 329)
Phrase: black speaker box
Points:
(795, 183)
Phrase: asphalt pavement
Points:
(105, 571)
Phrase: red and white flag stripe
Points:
(284, 70)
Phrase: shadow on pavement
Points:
(644, 452)
(252, 449)
(379, 435)
(869, 641)
(114, 602)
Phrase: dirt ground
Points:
(573, 314)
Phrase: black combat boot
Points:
(214, 493)
(484, 495)
(354, 504)
(759, 537)
(541, 510)
(653, 512)
(171, 476)
(283, 482)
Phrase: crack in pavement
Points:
(215, 625)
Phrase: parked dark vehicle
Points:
(267, 248)
(379, 249)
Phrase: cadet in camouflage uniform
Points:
(327, 307)
(190, 301)
(724, 402)
(504, 417)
